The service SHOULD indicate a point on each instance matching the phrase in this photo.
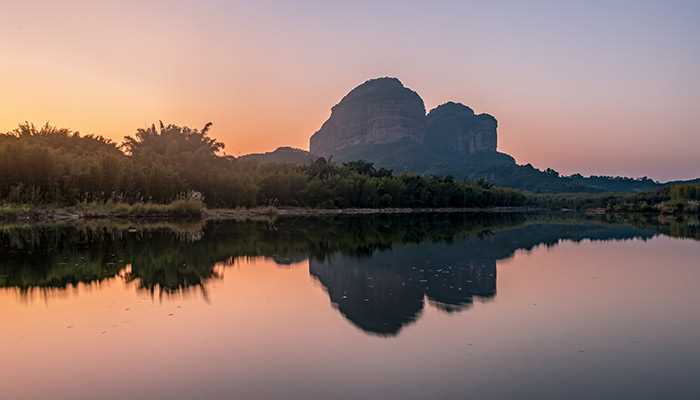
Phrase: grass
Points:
(186, 208)
(183, 208)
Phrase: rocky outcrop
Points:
(383, 122)
(453, 127)
(379, 111)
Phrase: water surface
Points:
(352, 307)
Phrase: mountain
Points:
(453, 127)
(384, 122)
(380, 111)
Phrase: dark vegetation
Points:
(168, 163)
(168, 170)
(527, 177)
(668, 200)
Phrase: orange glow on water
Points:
(269, 330)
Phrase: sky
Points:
(605, 88)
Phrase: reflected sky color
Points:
(577, 320)
(592, 87)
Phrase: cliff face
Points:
(384, 122)
(378, 111)
(453, 127)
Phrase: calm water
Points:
(366, 307)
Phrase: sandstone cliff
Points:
(378, 111)
(384, 122)
(453, 127)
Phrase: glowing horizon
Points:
(578, 87)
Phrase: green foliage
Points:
(676, 199)
(182, 208)
(527, 177)
(172, 141)
(157, 164)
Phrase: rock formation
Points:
(379, 111)
(384, 122)
(455, 127)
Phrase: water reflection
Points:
(378, 271)
(383, 292)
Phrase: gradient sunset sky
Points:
(597, 87)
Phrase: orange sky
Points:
(576, 88)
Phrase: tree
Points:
(171, 141)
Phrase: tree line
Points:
(53, 166)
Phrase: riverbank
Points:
(186, 209)
(191, 210)
(152, 212)
(257, 212)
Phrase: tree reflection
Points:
(378, 271)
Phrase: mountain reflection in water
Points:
(378, 271)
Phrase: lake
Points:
(393, 307)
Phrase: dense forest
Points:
(162, 163)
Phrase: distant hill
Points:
(688, 182)
(283, 155)
(384, 122)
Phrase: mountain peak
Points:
(377, 111)
(451, 107)
(383, 112)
